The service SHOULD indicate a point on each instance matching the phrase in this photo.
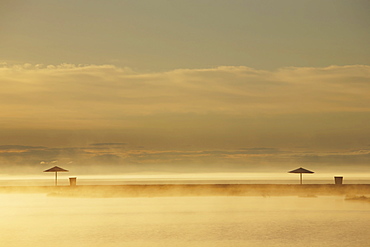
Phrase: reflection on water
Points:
(38, 220)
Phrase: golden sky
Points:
(185, 85)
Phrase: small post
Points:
(56, 178)
(338, 180)
(72, 181)
(301, 177)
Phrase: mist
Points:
(182, 221)
(175, 123)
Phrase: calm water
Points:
(38, 220)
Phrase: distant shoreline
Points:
(162, 190)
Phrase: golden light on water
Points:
(37, 220)
(180, 120)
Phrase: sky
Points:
(184, 86)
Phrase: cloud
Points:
(19, 147)
(105, 95)
(114, 144)
(106, 160)
(105, 115)
(260, 151)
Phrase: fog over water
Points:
(38, 220)
(180, 121)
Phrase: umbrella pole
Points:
(301, 177)
(56, 178)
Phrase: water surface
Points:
(38, 220)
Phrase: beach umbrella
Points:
(56, 169)
(300, 171)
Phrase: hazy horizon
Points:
(205, 103)
(184, 86)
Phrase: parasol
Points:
(300, 171)
(56, 169)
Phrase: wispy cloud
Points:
(19, 147)
(112, 144)
(108, 160)
(106, 95)
(225, 116)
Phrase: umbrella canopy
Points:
(300, 171)
(56, 169)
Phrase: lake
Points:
(37, 220)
